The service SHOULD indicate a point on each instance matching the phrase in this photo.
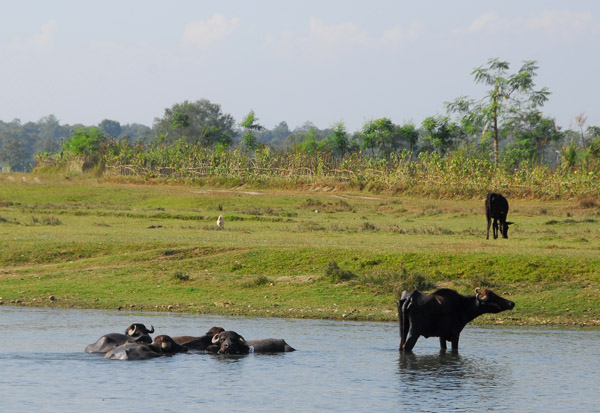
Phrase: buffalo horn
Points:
(215, 339)
(151, 329)
(133, 330)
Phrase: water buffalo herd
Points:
(443, 313)
(136, 344)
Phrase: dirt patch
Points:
(296, 278)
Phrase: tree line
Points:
(506, 125)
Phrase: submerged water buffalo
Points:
(443, 313)
(135, 333)
(198, 343)
(161, 346)
(230, 342)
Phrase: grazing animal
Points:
(221, 222)
(443, 313)
(135, 333)
(496, 208)
(160, 346)
(230, 342)
(198, 343)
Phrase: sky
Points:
(323, 61)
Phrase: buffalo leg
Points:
(402, 325)
(489, 222)
(442, 343)
(411, 340)
(455, 343)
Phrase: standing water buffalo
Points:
(198, 343)
(230, 342)
(443, 313)
(496, 208)
(160, 346)
(135, 333)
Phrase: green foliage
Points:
(200, 122)
(466, 172)
(85, 141)
(415, 281)
(442, 133)
(511, 96)
(339, 140)
(335, 274)
(110, 128)
(250, 125)
(181, 276)
(380, 134)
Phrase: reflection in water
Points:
(447, 371)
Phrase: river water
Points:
(339, 366)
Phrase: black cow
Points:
(443, 313)
(160, 346)
(230, 342)
(496, 208)
(135, 333)
(198, 343)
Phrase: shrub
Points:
(336, 274)
(180, 276)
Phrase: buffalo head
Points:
(230, 342)
(165, 345)
(504, 229)
(140, 333)
(214, 330)
(491, 302)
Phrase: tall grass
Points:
(429, 174)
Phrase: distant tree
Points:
(339, 140)
(85, 141)
(509, 95)
(281, 131)
(311, 142)
(409, 134)
(200, 122)
(593, 131)
(250, 127)
(14, 153)
(111, 128)
(380, 134)
(442, 132)
(135, 132)
(531, 133)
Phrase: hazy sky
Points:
(323, 61)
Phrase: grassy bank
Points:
(313, 253)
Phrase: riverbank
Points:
(320, 253)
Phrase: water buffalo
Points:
(135, 333)
(443, 313)
(198, 343)
(230, 342)
(496, 208)
(160, 346)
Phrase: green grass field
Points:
(89, 243)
